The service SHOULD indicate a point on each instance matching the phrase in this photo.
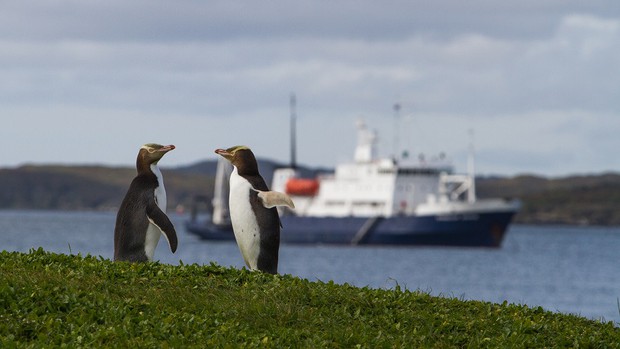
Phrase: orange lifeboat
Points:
(302, 186)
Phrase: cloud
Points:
(468, 73)
(163, 21)
(509, 71)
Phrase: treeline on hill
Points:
(584, 200)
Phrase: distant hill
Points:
(84, 187)
(265, 166)
(588, 200)
(584, 200)
(103, 188)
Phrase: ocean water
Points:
(563, 269)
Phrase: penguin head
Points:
(151, 153)
(241, 157)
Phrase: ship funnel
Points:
(366, 150)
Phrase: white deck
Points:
(371, 186)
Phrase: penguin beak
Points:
(222, 152)
(225, 154)
(167, 148)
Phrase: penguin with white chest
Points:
(255, 220)
(141, 219)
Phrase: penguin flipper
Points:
(159, 219)
(271, 199)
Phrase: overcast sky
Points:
(88, 82)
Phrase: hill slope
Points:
(49, 300)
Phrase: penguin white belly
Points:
(245, 225)
(160, 191)
(153, 233)
(150, 243)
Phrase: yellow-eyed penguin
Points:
(141, 219)
(255, 220)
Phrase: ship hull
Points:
(477, 229)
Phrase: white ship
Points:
(376, 200)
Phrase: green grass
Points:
(51, 300)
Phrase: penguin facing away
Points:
(141, 219)
(255, 220)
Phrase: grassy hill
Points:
(50, 300)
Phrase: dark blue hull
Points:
(482, 229)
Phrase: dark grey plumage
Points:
(267, 221)
(140, 212)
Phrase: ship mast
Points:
(471, 168)
(293, 103)
(396, 131)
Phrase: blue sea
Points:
(563, 269)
